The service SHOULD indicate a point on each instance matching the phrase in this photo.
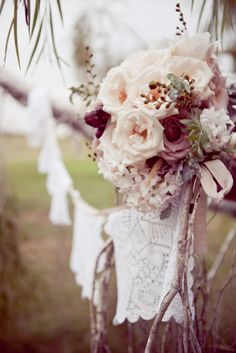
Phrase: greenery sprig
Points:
(89, 89)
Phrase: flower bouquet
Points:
(161, 119)
(161, 123)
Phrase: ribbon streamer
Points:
(212, 171)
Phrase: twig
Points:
(187, 322)
(98, 313)
(177, 281)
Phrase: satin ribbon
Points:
(213, 174)
(212, 171)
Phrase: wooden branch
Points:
(63, 115)
(176, 285)
(98, 311)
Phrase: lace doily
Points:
(145, 257)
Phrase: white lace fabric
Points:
(145, 257)
(87, 243)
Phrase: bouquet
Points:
(161, 119)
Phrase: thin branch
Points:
(98, 312)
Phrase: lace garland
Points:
(87, 243)
(145, 257)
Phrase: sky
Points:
(145, 20)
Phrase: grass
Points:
(55, 319)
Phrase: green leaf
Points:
(2, 6)
(7, 42)
(223, 19)
(29, 13)
(53, 39)
(200, 15)
(15, 31)
(36, 13)
(60, 9)
(215, 17)
(192, 4)
(35, 45)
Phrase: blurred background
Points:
(40, 305)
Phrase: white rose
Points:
(218, 126)
(196, 46)
(112, 163)
(138, 136)
(140, 61)
(196, 69)
(140, 86)
(113, 91)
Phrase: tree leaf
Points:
(7, 41)
(60, 9)
(15, 31)
(29, 13)
(200, 15)
(192, 4)
(53, 39)
(35, 45)
(2, 6)
(36, 13)
(215, 18)
(223, 19)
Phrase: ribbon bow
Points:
(212, 172)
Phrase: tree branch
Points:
(19, 91)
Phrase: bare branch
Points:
(19, 91)
(98, 313)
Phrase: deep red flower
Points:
(98, 119)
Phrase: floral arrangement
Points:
(160, 119)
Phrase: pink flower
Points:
(174, 137)
(217, 85)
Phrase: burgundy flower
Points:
(175, 139)
(98, 119)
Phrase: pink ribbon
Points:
(213, 174)
(212, 171)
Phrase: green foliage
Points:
(196, 136)
(178, 85)
(39, 20)
(222, 16)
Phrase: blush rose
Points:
(174, 138)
